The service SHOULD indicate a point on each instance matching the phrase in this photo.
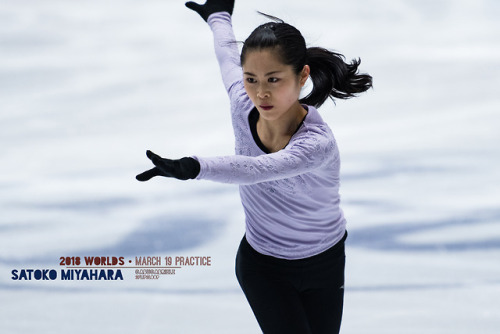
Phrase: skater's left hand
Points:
(182, 169)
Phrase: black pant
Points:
(303, 296)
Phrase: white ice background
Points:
(87, 86)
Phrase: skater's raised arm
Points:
(217, 13)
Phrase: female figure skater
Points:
(290, 263)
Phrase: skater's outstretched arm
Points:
(313, 149)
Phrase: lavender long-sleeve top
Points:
(290, 197)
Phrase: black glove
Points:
(182, 169)
(211, 6)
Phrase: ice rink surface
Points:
(87, 86)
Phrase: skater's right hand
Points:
(211, 6)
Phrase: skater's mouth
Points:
(265, 107)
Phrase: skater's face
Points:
(273, 86)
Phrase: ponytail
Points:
(333, 77)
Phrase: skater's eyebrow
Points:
(267, 74)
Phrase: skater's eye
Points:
(251, 80)
(273, 80)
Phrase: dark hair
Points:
(330, 74)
